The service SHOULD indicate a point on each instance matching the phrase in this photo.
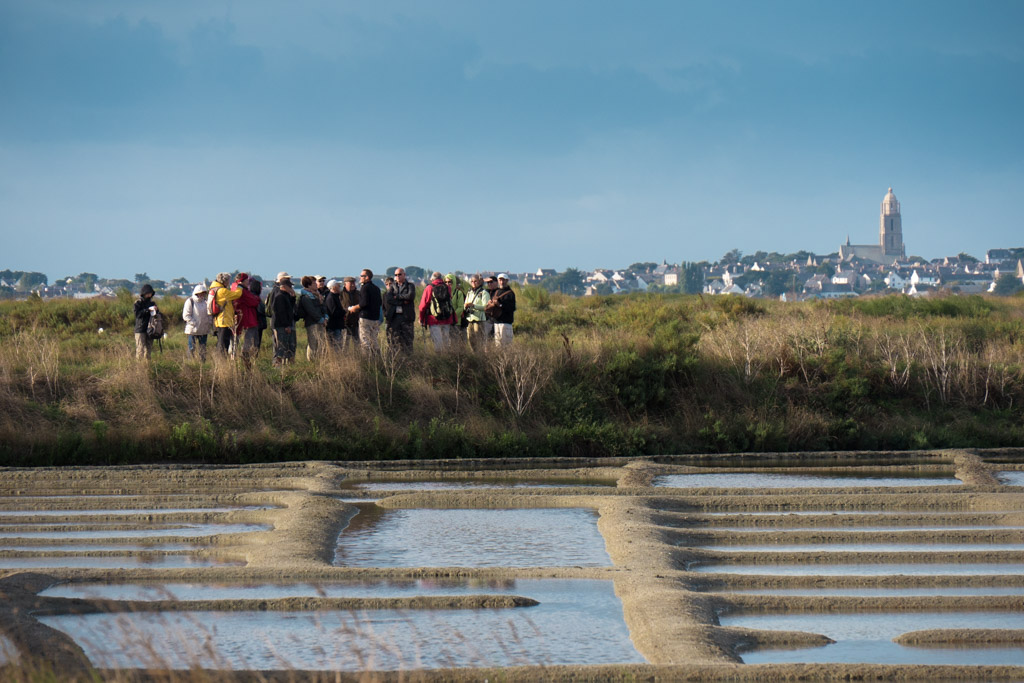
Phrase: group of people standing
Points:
(336, 314)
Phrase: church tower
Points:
(890, 230)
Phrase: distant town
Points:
(853, 270)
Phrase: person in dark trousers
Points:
(335, 316)
(144, 310)
(350, 298)
(281, 308)
(256, 287)
(400, 311)
(311, 310)
(368, 311)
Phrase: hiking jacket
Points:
(458, 297)
(245, 307)
(310, 310)
(197, 318)
(225, 298)
(508, 305)
(335, 311)
(369, 301)
(143, 314)
(261, 314)
(403, 296)
(479, 298)
(281, 307)
(426, 308)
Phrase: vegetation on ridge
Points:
(622, 375)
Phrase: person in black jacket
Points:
(281, 308)
(400, 311)
(350, 298)
(335, 315)
(144, 310)
(368, 310)
(256, 287)
(503, 321)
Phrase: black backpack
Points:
(155, 329)
(441, 302)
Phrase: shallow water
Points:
(923, 547)
(187, 530)
(922, 569)
(562, 589)
(472, 538)
(113, 547)
(795, 480)
(577, 622)
(155, 560)
(878, 592)
(897, 528)
(1011, 478)
(887, 652)
(134, 511)
(455, 485)
(8, 653)
(867, 637)
(835, 512)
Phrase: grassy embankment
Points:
(641, 374)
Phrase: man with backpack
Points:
(145, 311)
(436, 311)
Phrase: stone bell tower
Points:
(890, 227)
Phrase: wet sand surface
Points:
(694, 569)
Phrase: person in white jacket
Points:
(198, 323)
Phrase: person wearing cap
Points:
(477, 325)
(400, 311)
(350, 298)
(281, 309)
(492, 289)
(246, 322)
(198, 321)
(144, 310)
(436, 312)
(321, 286)
(335, 324)
(224, 322)
(368, 311)
(506, 298)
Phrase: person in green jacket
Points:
(458, 287)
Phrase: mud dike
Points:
(768, 567)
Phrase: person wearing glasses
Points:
(368, 310)
(400, 311)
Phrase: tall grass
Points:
(595, 376)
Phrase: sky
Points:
(322, 136)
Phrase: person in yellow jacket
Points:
(224, 322)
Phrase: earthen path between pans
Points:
(652, 534)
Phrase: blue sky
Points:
(189, 137)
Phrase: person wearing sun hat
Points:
(281, 310)
(503, 320)
(198, 322)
